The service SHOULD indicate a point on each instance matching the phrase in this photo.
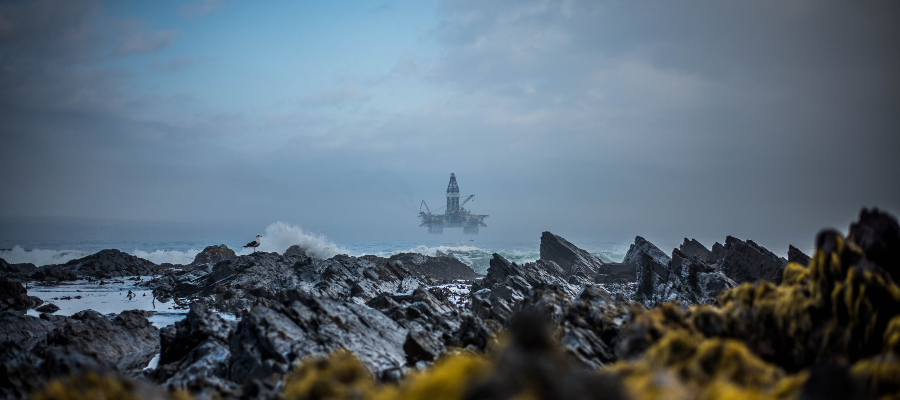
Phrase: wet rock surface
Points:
(34, 350)
(572, 259)
(642, 247)
(214, 254)
(205, 354)
(48, 308)
(693, 248)
(685, 279)
(797, 256)
(14, 296)
(439, 269)
(101, 265)
(506, 284)
(16, 272)
(746, 261)
(237, 284)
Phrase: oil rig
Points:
(455, 216)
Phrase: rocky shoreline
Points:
(692, 323)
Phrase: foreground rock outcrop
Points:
(16, 272)
(205, 354)
(14, 296)
(35, 350)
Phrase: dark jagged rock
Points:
(651, 276)
(690, 280)
(195, 354)
(683, 278)
(101, 265)
(594, 293)
(14, 296)
(717, 254)
(214, 254)
(619, 274)
(797, 256)
(235, 285)
(270, 340)
(296, 251)
(572, 259)
(127, 340)
(694, 248)
(651, 270)
(506, 283)
(440, 268)
(198, 326)
(16, 272)
(749, 262)
(421, 345)
(532, 366)
(24, 330)
(48, 308)
(589, 324)
(34, 350)
(211, 357)
(878, 234)
(640, 247)
(430, 316)
(26, 372)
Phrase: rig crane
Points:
(455, 216)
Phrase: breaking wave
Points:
(280, 236)
(168, 256)
(39, 257)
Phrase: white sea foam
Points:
(280, 236)
(39, 257)
(168, 256)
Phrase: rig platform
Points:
(454, 216)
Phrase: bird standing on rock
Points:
(253, 244)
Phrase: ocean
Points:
(474, 250)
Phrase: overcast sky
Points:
(766, 120)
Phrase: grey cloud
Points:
(144, 42)
(49, 31)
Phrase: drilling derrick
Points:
(455, 216)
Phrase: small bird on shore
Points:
(254, 244)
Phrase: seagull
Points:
(253, 244)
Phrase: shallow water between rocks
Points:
(109, 298)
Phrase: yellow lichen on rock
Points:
(93, 385)
(339, 376)
(342, 376)
(883, 371)
(448, 379)
(684, 366)
(795, 274)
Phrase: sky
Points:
(596, 120)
